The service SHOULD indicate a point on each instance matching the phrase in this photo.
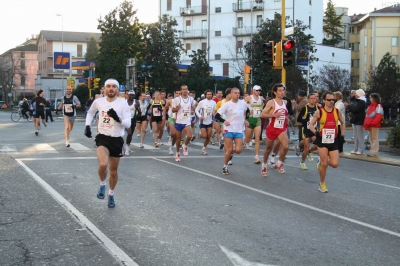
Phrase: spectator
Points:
(372, 122)
(48, 109)
(357, 111)
(302, 101)
(340, 106)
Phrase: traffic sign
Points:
(121, 87)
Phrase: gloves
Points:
(342, 140)
(88, 132)
(113, 114)
(57, 111)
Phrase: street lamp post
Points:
(62, 49)
(251, 41)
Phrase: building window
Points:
(239, 47)
(204, 46)
(351, 30)
(309, 22)
(365, 41)
(169, 5)
(357, 46)
(259, 20)
(188, 48)
(225, 69)
(365, 59)
(351, 46)
(310, 2)
(240, 22)
(22, 80)
(355, 63)
(188, 25)
(22, 54)
(394, 41)
(394, 58)
(188, 3)
(217, 56)
(218, 33)
(22, 64)
(217, 10)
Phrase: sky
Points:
(20, 19)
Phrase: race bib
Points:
(68, 108)
(328, 135)
(279, 122)
(257, 112)
(105, 121)
(156, 112)
(208, 112)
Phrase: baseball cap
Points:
(131, 92)
(256, 88)
(202, 96)
(302, 93)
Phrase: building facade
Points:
(224, 27)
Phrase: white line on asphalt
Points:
(79, 147)
(111, 246)
(375, 183)
(287, 200)
(239, 261)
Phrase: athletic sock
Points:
(111, 192)
(103, 183)
(279, 163)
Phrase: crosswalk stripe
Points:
(78, 147)
(145, 146)
(8, 148)
(44, 147)
(209, 146)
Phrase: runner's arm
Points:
(89, 116)
(314, 120)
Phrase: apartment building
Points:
(224, 27)
(371, 36)
(19, 66)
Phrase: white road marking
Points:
(375, 183)
(8, 148)
(287, 200)
(145, 146)
(44, 147)
(111, 246)
(79, 147)
(239, 261)
(209, 146)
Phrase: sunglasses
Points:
(330, 100)
(257, 90)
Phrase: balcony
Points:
(193, 11)
(248, 6)
(193, 34)
(244, 31)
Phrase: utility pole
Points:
(283, 25)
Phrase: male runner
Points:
(277, 113)
(328, 117)
(114, 117)
(69, 104)
(204, 111)
(234, 124)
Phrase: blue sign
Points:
(61, 60)
(121, 88)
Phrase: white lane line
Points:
(288, 200)
(145, 146)
(111, 246)
(375, 183)
(79, 147)
(239, 261)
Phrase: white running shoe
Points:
(141, 145)
(169, 141)
(170, 151)
(203, 151)
(67, 144)
(127, 149)
(178, 157)
(185, 150)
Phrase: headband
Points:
(111, 81)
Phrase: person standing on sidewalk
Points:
(48, 111)
(342, 110)
(372, 122)
(114, 117)
(69, 104)
(357, 110)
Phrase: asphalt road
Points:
(187, 213)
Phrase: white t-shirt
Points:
(234, 114)
(107, 126)
(183, 116)
(205, 108)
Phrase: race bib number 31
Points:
(328, 135)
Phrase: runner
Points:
(171, 120)
(164, 120)
(328, 117)
(234, 123)
(193, 115)
(305, 116)
(40, 103)
(204, 111)
(183, 106)
(255, 104)
(216, 125)
(277, 113)
(220, 137)
(114, 118)
(156, 111)
(132, 103)
(141, 118)
(68, 105)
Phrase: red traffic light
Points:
(288, 45)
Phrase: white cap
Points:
(202, 96)
(131, 92)
(256, 88)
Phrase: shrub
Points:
(388, 123)
(393, 138)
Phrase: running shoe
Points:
(221, 144)
(212, 140)
(177, 157)
(257, 160)
(310, 156)
(138, 135)
(102, 192)
(141, 145)
(303, 166)
(156, 145)
(245, 146)
(230, 162)
(44, 124)
(203, 152)
(319, 164)
(67, 144)
(225, 170)
(322, 187)
(185, 150)
(111, 202)
(271, 164)
(297, 149)
(170, 151)
(181, 142)
(169, 141)
(353, 152)
(280, 168)
(264, 170)
(36, 133)
(127, 149)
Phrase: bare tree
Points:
(237, 57)
(334, 78)
(10, 70)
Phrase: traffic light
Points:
(96, 83)
(91, 83)
(247, 71)
(269, 53)
(287, 54)
(72, 84)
